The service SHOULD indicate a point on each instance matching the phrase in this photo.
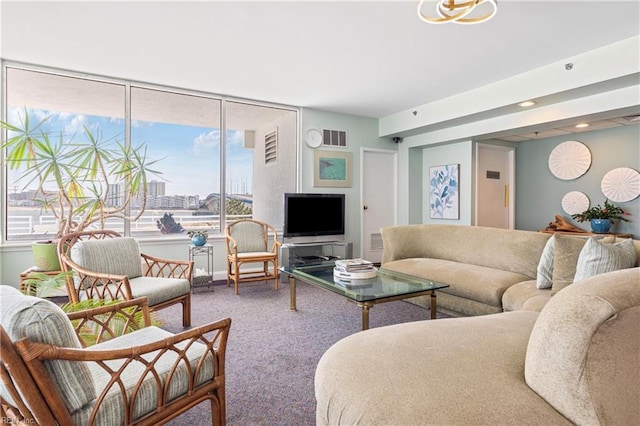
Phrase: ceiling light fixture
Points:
(526, 104)
(461, 11)
(582, 125)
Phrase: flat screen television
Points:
(314, 217)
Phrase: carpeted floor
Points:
(272, 352)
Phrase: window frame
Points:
(128, 86)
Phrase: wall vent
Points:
(271, 147)
(334, 138)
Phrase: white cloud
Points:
(206, 141)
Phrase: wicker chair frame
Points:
(37, 399)
(236, 259)
(93, 284)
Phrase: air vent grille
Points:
(334, 138)
(271, 147)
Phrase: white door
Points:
(495, 198)
(379, 199)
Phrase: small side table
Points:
(205, 280)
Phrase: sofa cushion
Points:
(462, 371)
(111, 411)
(479, 283)
(544, 277)
(597, 258)
(42, 321)
(588, 368)
(525, 296)
(115, 256)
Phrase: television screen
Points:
(313, 214)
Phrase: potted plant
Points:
(602, 218)
(198, 238)
(76, 180)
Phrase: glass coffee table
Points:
(387, 286)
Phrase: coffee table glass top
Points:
(387, 284)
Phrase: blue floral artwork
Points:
(443, 192)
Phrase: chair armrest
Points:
(95, 285)
(106, 322)
(168, 268)
(35, 353)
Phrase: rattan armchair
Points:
(248, 242)
(148, 376)
(109, 266)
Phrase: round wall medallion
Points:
(575, 202)
(569, 160)
(621, 184)
(313, 138)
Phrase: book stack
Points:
(354, 269)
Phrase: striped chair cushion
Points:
(117, 256)
(42, 321)
(111, 411)
(249, 236)
(159, 289)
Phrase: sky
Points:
(188, 157)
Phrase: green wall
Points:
(539, 193)
(361, 132)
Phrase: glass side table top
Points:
(387, 284)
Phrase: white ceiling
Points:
(368, 58)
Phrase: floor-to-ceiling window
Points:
(214, 159)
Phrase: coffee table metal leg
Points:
(365, 315)
(292, 292)
(433, 304)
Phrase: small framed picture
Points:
(332, 169)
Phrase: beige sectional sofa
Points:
(575, 362)
(489, 270)
(565, 354)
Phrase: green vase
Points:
(45, 255)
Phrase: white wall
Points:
(271, 181)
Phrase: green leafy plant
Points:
(42, 285)
(118, 322)
(609, 211)
(76, 181)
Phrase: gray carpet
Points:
(272, 352)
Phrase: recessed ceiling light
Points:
(582, 125)
(526, 104)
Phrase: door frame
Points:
(394, 197)
(511, 150)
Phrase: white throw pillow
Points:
(597, 258)
(544, 276)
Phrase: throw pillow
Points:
(544, 276)
(597, 258)
(566, 250)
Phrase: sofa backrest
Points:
(583, 355)
(509, 250)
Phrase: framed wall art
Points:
(444, 197)
(332, 169)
